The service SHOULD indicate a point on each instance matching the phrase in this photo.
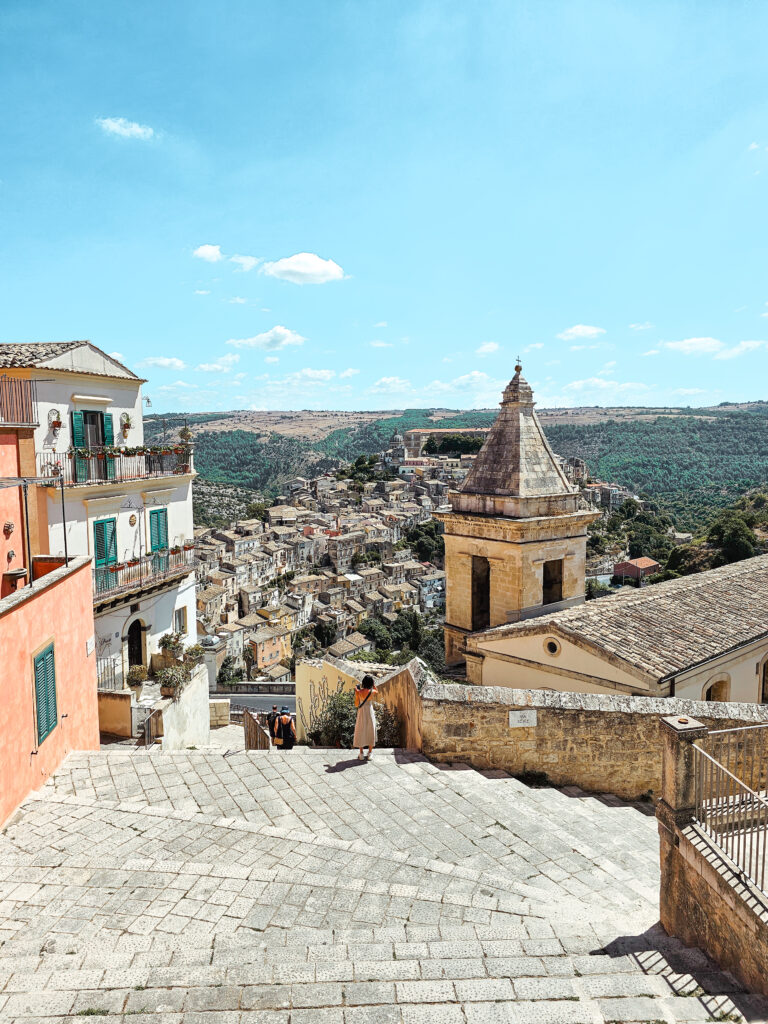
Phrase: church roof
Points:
(516, 459)
(666, 628)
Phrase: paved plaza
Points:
(234, 887)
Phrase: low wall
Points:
(186, 721)
(705, 905)
(600, 742)
(115, 712)
(400, 693)
(218, 712)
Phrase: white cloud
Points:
(165, 362)
(209, 253)
(124, 128)
(533, 347)
(381, 344)
(381, 323)
(222, 365)
(580, 331)
(390, 385)
(308, 374)
(237, 301)
(689, 391)
(694, 346)
(652, 352)
(348, 373)
(645, 326)
(487, 348)
(739, 350)
(754, 145)
(176, 385)
(272, 340)
(117, 355)
(202, 291)
(600, 384)
(271, 359)
(304, 268)
(245, 263)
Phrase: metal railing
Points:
(105, 465)
(141, 572)
(106, 675)
(152, 726)
(730, 798)
(18, 401)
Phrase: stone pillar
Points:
(676, 806)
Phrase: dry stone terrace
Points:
(207, 887)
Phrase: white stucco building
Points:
(127, 506)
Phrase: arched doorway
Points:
(135, 644)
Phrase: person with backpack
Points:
(285, 730)
(365, 724)
(272, 718)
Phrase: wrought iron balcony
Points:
(18, 402)
(107, 465)
(138, 574)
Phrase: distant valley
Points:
(691, 461)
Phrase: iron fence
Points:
(136, 573)
(104, 465)
(106, 675)
(730, 798)
(18, 401)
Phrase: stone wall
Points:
(219, 712)
(600, 742)
(187, 720)
(705, 905)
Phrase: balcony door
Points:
(105, 553)
(93, 431)
(158, 538)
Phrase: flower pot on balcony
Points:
(133, 563)
(189, 547)
(175, 551)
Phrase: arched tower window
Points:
(481, 593)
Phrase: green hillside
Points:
(692, 465)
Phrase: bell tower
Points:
(516, 535)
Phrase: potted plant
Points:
(188, 545)
(132, 562)
(173, 680)
(171, 643)
(55, 424)
(126, 423)
(137, 675)
(176, 550)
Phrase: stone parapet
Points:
(600, 742)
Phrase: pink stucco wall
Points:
(10, 507)
(59, 610)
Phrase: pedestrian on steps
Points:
(285, 730)
(365, 725)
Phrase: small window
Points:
(552, 646)
(552, 582)
(45, 693)
(180, 620)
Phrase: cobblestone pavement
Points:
(206, 887)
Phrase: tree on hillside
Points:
(734, 539)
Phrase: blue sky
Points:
(380, 204)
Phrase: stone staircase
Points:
(307, 888)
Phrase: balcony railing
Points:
(134, 575)
(104, 465)
(18, 402)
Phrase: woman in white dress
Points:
(365, 725)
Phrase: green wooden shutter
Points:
(78, 441)
(109, 439)
(105, 551)
(158, 529)
(45, 693)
